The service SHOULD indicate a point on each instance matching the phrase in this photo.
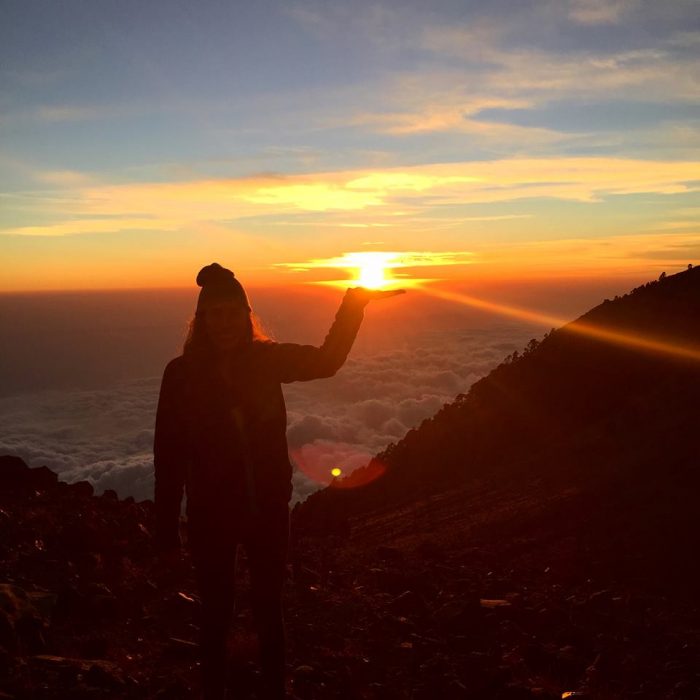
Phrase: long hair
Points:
(198, 339)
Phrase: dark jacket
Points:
(227, 445)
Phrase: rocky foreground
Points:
(439, 600)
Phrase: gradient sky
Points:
(140, 140)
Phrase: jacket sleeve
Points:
(169, 458)
(298, 363)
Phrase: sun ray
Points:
(635, 341)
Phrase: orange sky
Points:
(558, 139)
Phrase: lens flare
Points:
(319, 460)
(327, 462)
(361, 476)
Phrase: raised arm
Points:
(170, 457)
(297, 363)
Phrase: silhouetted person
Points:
(221, 435)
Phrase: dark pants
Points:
(213, 543)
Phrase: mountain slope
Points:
(576, 412)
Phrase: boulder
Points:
(42, 479)
(95, 672)
(80, 490)
(21, 624)
(14, 473)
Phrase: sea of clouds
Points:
(81, 385)
(106, 435)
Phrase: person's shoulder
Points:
(263, 347)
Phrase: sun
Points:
(384, 270)
(370, 270)
(372, 275)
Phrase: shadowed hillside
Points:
(563, 484)
(574, 410)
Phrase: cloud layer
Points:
(399, 193)
(105, 436)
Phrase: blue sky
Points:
(522, 132)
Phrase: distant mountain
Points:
(607, 405)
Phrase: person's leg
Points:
(214, 558)
(266, 545)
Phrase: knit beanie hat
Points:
(219, 284)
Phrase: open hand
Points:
(362, 294)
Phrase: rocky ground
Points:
(438, 600)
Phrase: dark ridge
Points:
(571, 411)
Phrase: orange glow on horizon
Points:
(375, 269)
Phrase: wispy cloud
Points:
(594, 12)
(681, 219)
(69, 113)
(592, 255)
(495, 57)
(87, 226)
(64, 178)
(415, 190)
(649, 73)
(451, 115)
(472, 71)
